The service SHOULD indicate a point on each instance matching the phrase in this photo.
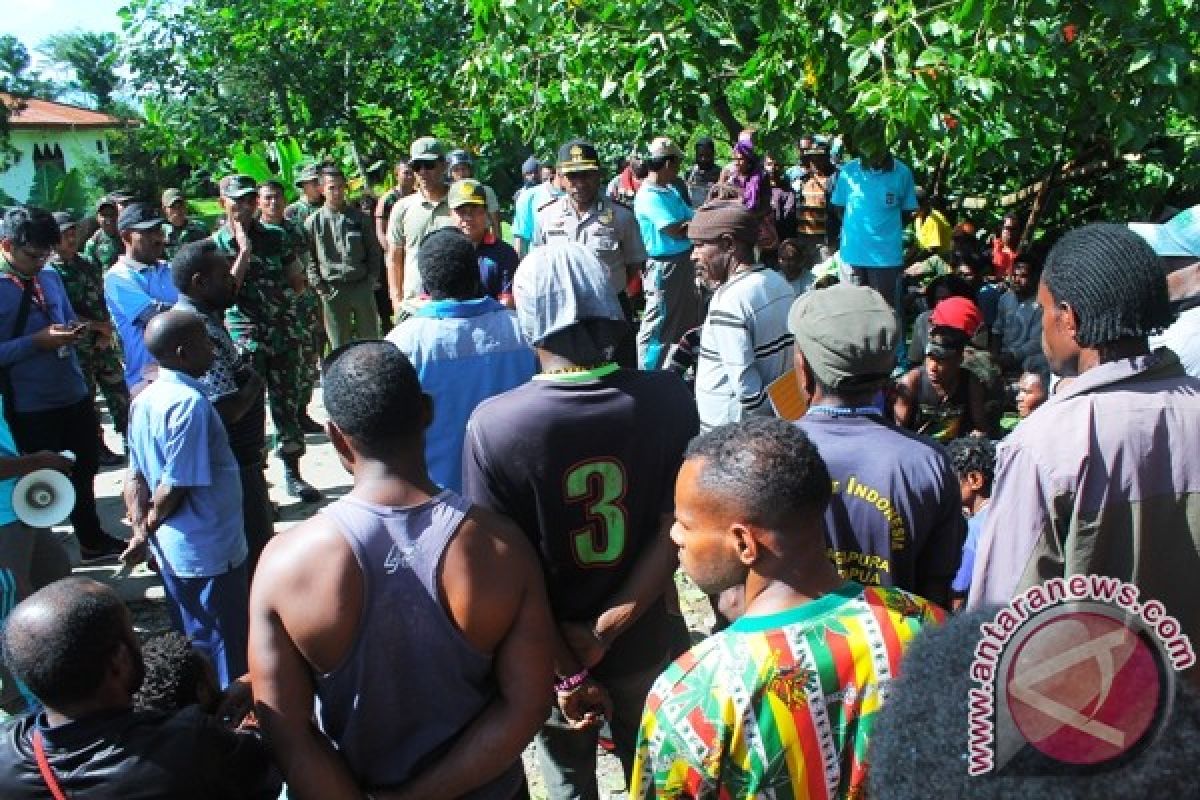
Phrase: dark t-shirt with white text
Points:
(896, 514)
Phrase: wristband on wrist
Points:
(571, 682)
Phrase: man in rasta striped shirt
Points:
(782, 703)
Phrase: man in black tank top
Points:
(421, 623)
(583, 458)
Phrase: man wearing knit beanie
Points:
(744, 343)
(1105, 477)
(895, 517)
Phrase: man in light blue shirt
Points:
(669, 281)
(878, 198)
(137, 287)
(465, 346)
(526, 207)
(189, 506)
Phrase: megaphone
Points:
(43, 498)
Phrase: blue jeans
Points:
(213, 612)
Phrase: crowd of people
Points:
(843, 414)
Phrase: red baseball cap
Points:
(958, 313)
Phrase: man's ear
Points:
(975, 480)
(1070, 320)
(745, 544)
(804, 375)
(340, 445)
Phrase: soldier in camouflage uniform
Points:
(308, 336)
(308, 181)
(99, 355)
(178, 229)
(262, 319)
(105, 246)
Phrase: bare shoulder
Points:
(488, 540)
(311, 556)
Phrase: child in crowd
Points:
(974, 460)
(177, 676)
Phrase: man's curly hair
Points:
(174, 673)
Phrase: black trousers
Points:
(256, 513)
(71, 428)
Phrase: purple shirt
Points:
(1102, 479)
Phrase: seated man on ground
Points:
(1033, 389)
(177, 676)
(783, 702)
(1017, 332)
(72, 644)
(942, 399)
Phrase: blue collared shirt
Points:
(464, 351)
(135, 292)
(176, 438)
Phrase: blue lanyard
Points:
(846, 411)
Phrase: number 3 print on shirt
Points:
(600, 485)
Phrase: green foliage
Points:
(52, 189)
(94, 59)
(275, 161)
(16, 78)
(368, 71)
(982, 97)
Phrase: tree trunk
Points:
(720, 107)
(1039, 204)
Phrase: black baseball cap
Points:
(578, 155)
(139, 217)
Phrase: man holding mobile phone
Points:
(44, 390)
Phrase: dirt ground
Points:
(143, 592)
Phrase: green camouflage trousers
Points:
(312, 343)
(274, 353)
(102, 368)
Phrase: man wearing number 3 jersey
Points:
(583, 458)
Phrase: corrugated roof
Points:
(31, 112)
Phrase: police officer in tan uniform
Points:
(607, 228)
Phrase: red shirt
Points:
(1002, 258)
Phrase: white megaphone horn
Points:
(43, 498)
